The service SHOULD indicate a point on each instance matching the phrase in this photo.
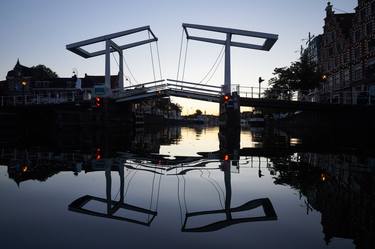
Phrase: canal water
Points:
(172, 187)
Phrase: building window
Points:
(356, 53)
(346, 57)
(371, 45)
(346, 76)
(363, 14)
(329, 37)
(357, 74)
(330, 51)
(369, 29)
(337, 81)
(339, 47)
(357, 35)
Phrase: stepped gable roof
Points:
(345, 22)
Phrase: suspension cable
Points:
(157, 199)
(217, 66)
(127, 66)
(114, 57)
(186, 50)
(152, 195)
(152, 58)
(213, 66)
(157, 50)
(179, 57)
(130, 71)
(178, 196)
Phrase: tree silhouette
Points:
(43, 72)
(302, 75)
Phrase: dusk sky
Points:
(37, 31)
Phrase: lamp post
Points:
(260, 80)
(24, 83)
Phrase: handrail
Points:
(192, 88)
(192, 83)
(143, 84)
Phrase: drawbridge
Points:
(169, 87)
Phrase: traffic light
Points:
(260, 80)
(98, 154)
(226, 98)
(98, 102)
(324, 77)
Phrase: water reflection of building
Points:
(150, 140)
(32, 156)
(340, 187)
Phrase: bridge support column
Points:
(108, 64)
(227, 70)
(121, 71)
(230, 127)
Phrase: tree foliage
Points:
(302, 75)
(43, 72)
(198, 112)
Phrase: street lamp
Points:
(24, 83)
(260, 80)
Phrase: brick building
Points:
(348, 55)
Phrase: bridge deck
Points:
(183, 89)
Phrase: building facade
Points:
(348, 56)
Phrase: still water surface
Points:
(171, 188)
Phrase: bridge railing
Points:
(334, 97)
(38, 99)
(178, 85)
(250, 92)
(140, 89)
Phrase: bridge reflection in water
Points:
(338, 183)
(181, 166)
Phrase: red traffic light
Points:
(98, 154)
(98, 102)
(226, 98)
